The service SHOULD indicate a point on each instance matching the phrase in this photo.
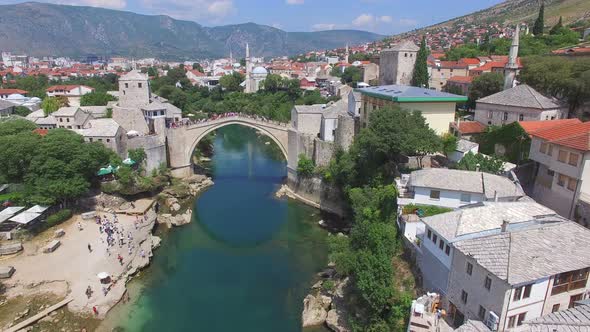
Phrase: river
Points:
(246, 261)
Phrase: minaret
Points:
(512, 66)
(346, 58)
(249, 81)
(247, 61)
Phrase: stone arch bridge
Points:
(183, 140)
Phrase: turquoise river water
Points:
(246, 261)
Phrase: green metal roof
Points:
(410, 94)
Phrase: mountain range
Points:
(42, 29)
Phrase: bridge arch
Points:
(183, 141)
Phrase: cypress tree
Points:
(420, 75)
(556, 27)
(540, 22)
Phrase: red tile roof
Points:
(470, 127)
(531, 127)
(469, 61)
(40, 131)
(575, 136)
(11, 91)
(461, 79)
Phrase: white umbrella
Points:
(103, 275)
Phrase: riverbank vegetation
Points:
(372, 255)
(53, 169)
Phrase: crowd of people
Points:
(185, 122)
(115, 238)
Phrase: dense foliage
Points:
(56, 168)
(305, 166)
(483, 163)
(511, 137)
(382, 294)
(59, 217)
(484, 85)
(420, 73)
(560, 77)
(96, 98)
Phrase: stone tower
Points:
(397, 64)
(511, 68)
(134, 90)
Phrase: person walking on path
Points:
(89, 248)
(95, 311)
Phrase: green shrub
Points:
(305, 166)
(427, 210)
(59, 217)
(328, 285)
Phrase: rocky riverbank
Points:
(325, 305)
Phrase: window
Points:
(543, 148)
(108, 140)
(574, 299)
(139, 85)
(61, 120)
(527, 291)
(561, 180)
(481, 313)
(555, 308)
(517, 294)
(123, 92)
(469, 270)
(68, 120)
(100, 139)
(441, 244)
(429, 234)
(573, 159)
(571, 184)
(550, 150)
(550, 173)
(488, 283)
(434, 238)
(90, 139)
(464, 297)
(521, 319)
(568, 281)
(511, 321)
(490, 114)
(562, 156)
(505, 117)
(520, 117)
(406, 55)
(435, 194)
(465, 198)
(448, 250)
(126, 85)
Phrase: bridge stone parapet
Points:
(183, 140)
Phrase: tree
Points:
(16, 154)
(449, 143)
(305, 166)
(22, 111)
(197, 66)
(96, 99)
(15, 126)
(483, 163)
(556, 27)
(63, 167)
(152, 72)
(232, 82)
(51, 104)
(420, 74)
(484, 85)
(352, 75)
(539, 25)
(138, 155)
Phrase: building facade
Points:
(396, 65)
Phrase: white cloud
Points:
(277, 25)
(295, 2)
(206, 10)
(364, 20)
(114, 4)
(407, 22)
(385, 19)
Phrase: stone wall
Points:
(345, 132)
(326, 196)
(396, 68)
(130, 119)
(323, 152)
(154, 147)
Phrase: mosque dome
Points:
(260, 71)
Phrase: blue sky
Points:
(382, 16)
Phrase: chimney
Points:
(504, 225)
